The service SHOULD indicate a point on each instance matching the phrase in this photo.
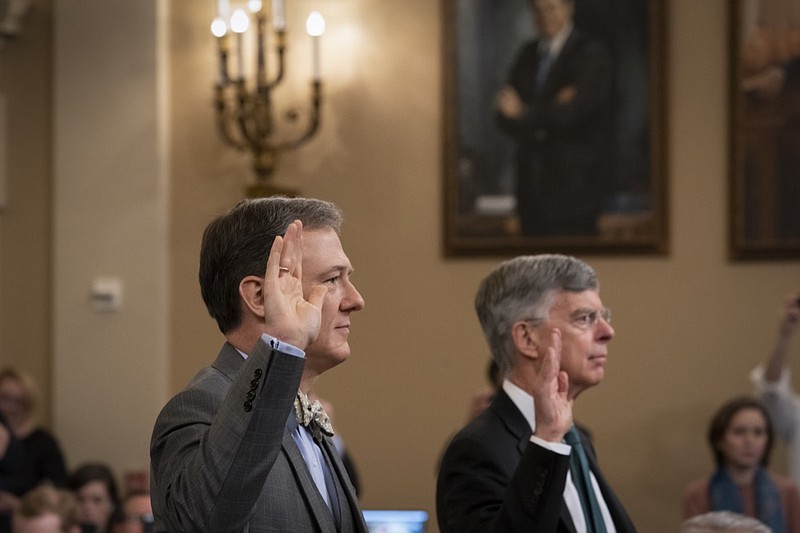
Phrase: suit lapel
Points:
(518, 426)
(512, 419)
(319, 509)
(348, 501)
(621, 519)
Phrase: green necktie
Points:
(579, 468)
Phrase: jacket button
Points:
(248, 406)
(258, 373)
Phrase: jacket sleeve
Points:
(779, 399)
(215, 443)
(476, 495)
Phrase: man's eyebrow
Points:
(337, 269)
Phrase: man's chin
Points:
(328, 360)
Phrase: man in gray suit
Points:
(241, 448)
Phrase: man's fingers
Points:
(563, 383)
(555, 335)
(273, 261)
(291, 246)
(317, 295)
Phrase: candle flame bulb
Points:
(239, 21)
(315, 24)
(218, 27)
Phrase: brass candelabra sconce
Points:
(245, 111)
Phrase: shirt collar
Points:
(556, 44)
(523, 401)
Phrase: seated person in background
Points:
(39, 455)
(773, 384)
(741, 437)
(96, 491)
(482, 398)
(136, 515)
(46, 509)
(723, 522)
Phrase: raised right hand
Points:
(551, 401)
(790, 313)
(289, 316)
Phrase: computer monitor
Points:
(395, 520)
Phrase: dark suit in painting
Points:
(493, 479)
(222, 458)
(563, 137)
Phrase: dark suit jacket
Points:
(562, 147)
(222, 459)
(493, 479)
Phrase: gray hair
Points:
(523, 289)
(723, 521)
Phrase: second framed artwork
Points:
(765, 129)
(554, 127)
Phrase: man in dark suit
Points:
(556, 106)
(509, 470)
(242, 448)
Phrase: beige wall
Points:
(689, 326)
(25, 256)
(109, 222)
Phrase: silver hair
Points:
(723, 521)
(523, 289)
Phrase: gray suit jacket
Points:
(222, 459)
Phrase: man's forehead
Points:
(570, 300)
(322, 251)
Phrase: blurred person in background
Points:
(136, 514)
(740, 435)
(38, 454)
(46, 509)
(95, 488)
(772, 382)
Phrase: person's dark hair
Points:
(237, 244)
(522, 289)
(721, 421)
(88, 472)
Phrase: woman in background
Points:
(39, 456)
(741, 438)
(96, 491)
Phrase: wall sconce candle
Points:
(245, 110)
(315, 26)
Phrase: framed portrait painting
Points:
(554, 118)
(765, 129)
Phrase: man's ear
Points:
(526, 339)
(251, 292)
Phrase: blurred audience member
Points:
(741, 437)
(46, 509)
(136, 514)
(773, 384)
(482, 398)
(96, 491)
(38, 456)
(723, 522)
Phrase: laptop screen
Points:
(395, 521)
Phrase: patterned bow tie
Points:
(312, 415)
